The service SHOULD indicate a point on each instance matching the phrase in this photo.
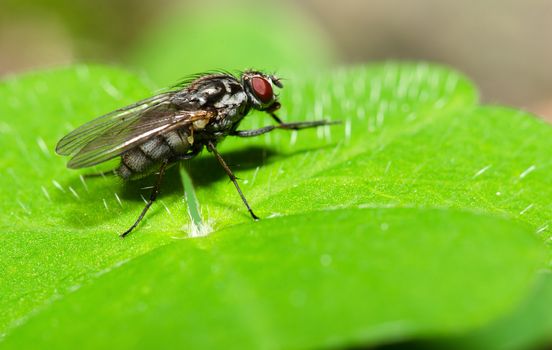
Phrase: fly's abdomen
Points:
(147, 157)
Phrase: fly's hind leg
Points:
(153, 197)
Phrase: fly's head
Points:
(259, 88)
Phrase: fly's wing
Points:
(73, 142)
(121, 138)
(111, 135)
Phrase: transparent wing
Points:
(73, 142)
(111, 135)
(121, 138)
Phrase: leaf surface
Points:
(415, 217)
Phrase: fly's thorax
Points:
(218, 91)
(226, 120)
(222, 94)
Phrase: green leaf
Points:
(414, 218)
(329, 278)
(191, 199)
(528, 327)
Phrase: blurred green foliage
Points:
(226, 36)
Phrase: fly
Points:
(157, 132)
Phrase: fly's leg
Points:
(282, 125)
(211, 147)
(253, 132)
(293, 126)
(152, 198)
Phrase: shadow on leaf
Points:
(204, 171)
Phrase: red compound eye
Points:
(262, 89)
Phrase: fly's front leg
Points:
(292, 126)
(211, 147)
(287, 126)
(254, 132)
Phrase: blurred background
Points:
(504, 45)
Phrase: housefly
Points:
(177, 124)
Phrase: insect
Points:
(178, 124)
